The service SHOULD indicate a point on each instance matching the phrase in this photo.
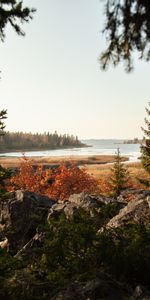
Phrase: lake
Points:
(96, 147)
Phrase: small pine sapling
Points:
(145, 147)
(119, 175)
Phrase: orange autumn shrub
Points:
(27, 178)
(104, 184)
(72, 180)
(58, 183)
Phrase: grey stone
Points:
(23, 213)
(137, 210)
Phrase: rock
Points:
(22, 215)
(25, 211)
(70, 209)
(137, 292)
(87, 202)
(4, 244)
(140, 293)
(56, 210)
(139, 194)
(66, 208)
(90, 201)
(135, 211)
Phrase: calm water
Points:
(97, 147)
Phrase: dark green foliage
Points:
(8, 267)
(145, 147)
(73, 251)
(127, 28)
(68, 249)
(14, 13)
(119, 175)
(67, 253)
(106, 212)
(127, 253)
(8, 263)
(28, 141)
(4, 174)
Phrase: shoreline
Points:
(42, 149)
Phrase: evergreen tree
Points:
(4, 174)
(145, 147)
(119, 175)
(127, 29)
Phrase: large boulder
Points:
(22, 214)
(137, 210)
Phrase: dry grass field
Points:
(99, 166)
(103, 173)
(8, 162)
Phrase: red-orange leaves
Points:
(71, 180)
(29, 178)
(59, 183)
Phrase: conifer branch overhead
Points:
(14, 13)
(3, 115)
(127, 29)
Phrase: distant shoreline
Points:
(42, 149)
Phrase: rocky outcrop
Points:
(25, 211)
(90, 201)
(59, 208)
(137, 194)
(22, 214)
(137, 210)
(87, 202)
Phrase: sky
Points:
(51, 79)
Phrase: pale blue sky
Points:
(51, 79)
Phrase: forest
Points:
(13, 141)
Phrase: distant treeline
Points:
(28, 141)
(134, 141)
